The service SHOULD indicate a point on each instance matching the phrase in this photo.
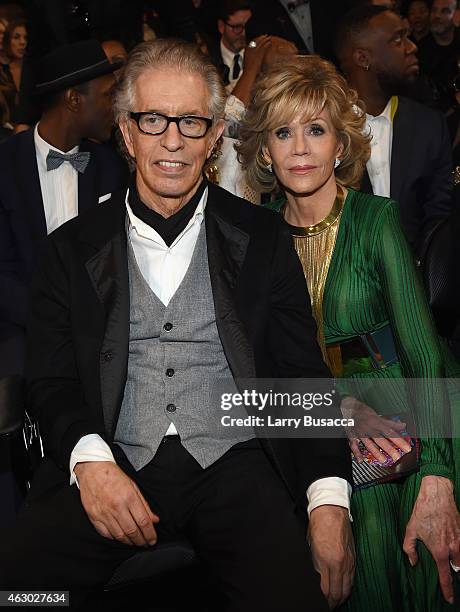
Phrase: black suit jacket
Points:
(22, 216)
(420, 172)
(218, 61)
(79, 327)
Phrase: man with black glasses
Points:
(139, 307)
(232, 21)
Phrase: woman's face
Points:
(18, 42)
(303, 153)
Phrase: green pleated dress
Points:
(372, 281)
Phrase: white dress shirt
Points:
(59, 187)
(378, 166)
(300, 14)
(164, 268)
(228, 57)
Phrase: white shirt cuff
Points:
(89, 448)
(332, 491)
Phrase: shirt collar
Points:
(43, 148)
(385, 114)
(146, 231)
(228, 55)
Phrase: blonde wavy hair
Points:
(303, 85)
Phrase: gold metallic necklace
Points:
(314, 230)
(315, 246)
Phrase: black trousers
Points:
(237, 513)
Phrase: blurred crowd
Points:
(29, 29)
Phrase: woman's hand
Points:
(254, 57)
(374, 431)
(279, 49)
(435, 521)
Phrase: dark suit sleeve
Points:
(295, 351)
(55, 394)
(436, 190)
(13, 288)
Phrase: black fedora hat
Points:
(70, 65)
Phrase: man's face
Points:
(441, 16)
(392, 55)
(233, 30)
(418, 16)
(96, 108)
(169, 165)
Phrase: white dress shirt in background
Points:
(378, 166)
(300, 14)
(228, 57)
(59, 187)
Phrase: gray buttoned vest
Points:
(175, 357)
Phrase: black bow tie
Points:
(79, 160)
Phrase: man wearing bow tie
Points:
(53, 172)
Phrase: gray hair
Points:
(169, 53)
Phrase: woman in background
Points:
(15, 47)
(303, 133)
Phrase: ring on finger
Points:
(456, 568)
(252, 44)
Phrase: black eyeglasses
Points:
(155, 124)
(238, 28)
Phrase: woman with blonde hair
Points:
(304, 134)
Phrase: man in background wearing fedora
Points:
(52, 173)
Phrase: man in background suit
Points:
(309, 24)
(41, 188)
(228, 56)
(410, 148)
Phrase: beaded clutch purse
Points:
(371, 472)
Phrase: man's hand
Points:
(333, 551)
(114, 504)
(436, 522)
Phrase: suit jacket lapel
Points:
(401, 150)
(108, 270)
(87, 193)
(227, 245)
(27, 184)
